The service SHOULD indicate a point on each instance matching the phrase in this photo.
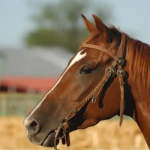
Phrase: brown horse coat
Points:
(81, 76)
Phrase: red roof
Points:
(35, 83)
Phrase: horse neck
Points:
(138, 85)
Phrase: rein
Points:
(116, 68)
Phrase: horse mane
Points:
(138, 54)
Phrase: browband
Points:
(100, 48)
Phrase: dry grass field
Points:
(106, 135)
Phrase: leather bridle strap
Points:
(101, 49)
(121, 74)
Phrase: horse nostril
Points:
(33, 127)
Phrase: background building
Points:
(36, 70)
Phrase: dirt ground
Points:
(105, 135)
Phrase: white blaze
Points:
(77, 58)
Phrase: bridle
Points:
(116, 68)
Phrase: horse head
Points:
(87, 92)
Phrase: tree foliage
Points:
(59, 24)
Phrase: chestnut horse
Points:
(109, 75)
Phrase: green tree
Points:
(59, 24)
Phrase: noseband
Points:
(116, 68)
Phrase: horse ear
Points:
(106, 32)
(89, 25)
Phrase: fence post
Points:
(4, 105)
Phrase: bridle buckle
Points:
(111, 69)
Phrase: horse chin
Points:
(49, 141)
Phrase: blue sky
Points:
(131, 16)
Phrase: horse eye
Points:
(87, 70)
